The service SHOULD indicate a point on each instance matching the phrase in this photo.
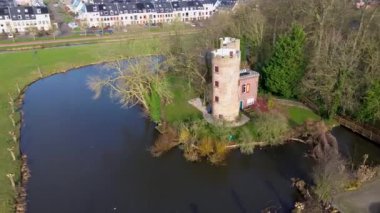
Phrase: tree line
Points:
(324, 50)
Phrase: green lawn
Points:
(21, 68)
(298, 115)
(180, 109)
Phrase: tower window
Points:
(216, 83)
(216, 99)
(231, 54)
(216, 69)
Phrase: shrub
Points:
(330, 176)
(247, 149)
(154, 103)
(271, 103)
(246, 141)
(365, 172)
(184, 135)
(220, 153)
(190, 153)
(206, 146)
(270, 127)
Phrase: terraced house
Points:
(21, 19)
(102, 14)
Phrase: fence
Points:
(366, 131)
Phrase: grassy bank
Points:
(180, 109)
(17, 69)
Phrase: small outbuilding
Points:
(248, 83)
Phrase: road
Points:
(364, 200)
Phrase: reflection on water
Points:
(90, 155)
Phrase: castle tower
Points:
(225, 79)
(229, 43)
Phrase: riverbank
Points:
(18, 69)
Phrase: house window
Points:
(216, 83)
(245, 88)
(216, 69)
(231, 54)
(216, 99)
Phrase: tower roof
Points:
(225, 52)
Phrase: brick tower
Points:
(225, 79)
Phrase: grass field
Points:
(79, 34)
(180, 109)
(21, 68)
(298, 115)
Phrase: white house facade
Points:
(22, 19)
(127, 13)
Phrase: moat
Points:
(89, 155)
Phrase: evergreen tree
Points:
(284, 70)
(370, 110)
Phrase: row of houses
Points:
(20, 19)
(119, 13)
(103, 13)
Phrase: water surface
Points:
(89, 155)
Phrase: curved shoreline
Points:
(21, 185)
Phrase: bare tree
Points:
(54, 30)
(133, 83)
(335, 73)
(83, 26)
(33, 31)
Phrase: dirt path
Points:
(365, 199)
(99, 38)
